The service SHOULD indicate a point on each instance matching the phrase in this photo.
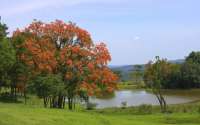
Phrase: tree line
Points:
(177, 76)
(162, 74)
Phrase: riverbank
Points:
(191, 107)
(130, 85)
(20, 114)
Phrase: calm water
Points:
(138, 97)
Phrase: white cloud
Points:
(136, 38)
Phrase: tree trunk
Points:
(63, 102)
(50, 102)
(15, 93)
(44, 102)
(164, 109)
(161, 100)
(70, 103)
(25, 99)
(45, 99)
(12, 91)
(60, 101)
(54, 102)
(74, 102)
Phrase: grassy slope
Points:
(19, 114)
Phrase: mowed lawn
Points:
(18, 114)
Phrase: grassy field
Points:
(20, 114)
(33, 113)
(130, 85)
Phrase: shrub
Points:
(90, 105)
(124, 104)
(145, 109)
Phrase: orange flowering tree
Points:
(66, 49)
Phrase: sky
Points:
(135, 31)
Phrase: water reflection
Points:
(138, 97)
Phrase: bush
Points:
(141, 85)
(185, 109)
(124, 104)
(8, 98)
(90, 105)
(145, 109)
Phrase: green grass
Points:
(33, 113)
(131, 85)
(20, 114)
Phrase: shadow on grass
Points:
(7, 98)
(182, 120)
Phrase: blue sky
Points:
(135, 31)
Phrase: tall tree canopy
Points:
(64, 48)
(190, 71)
(194, 57)
(7, 56)
(155, 77)
(3, 30)
(137, 73)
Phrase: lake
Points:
(138, 97)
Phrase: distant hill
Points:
(127, 69)
(177, 61)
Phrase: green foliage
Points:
(194, 57)
(162, 74)
(131, 85)
(172, 76)
(48, 85)
(90, 105)
(156, 74)
(123, 104)
(155, 77)
(7, 57)
(3, 30)
(137, 74)
(145, 109)
(172, 81)
(190, 71)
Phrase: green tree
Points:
(190, 71)
(48, 87)
(3, 30)
(7, 57)
(194, 57)
(20, 72)
(155, 76)
(137, 74)
(173, 79)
